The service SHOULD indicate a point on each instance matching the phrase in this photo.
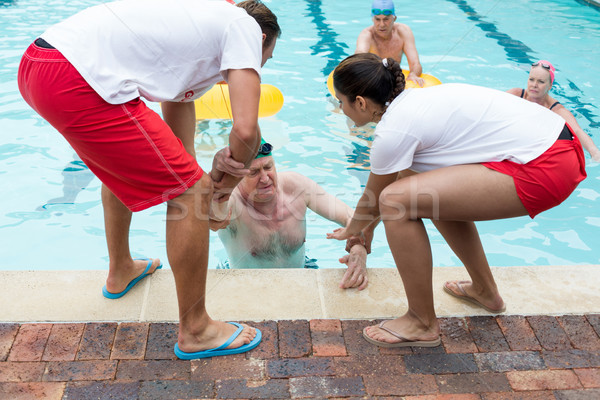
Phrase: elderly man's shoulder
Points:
(292, 177)
(402, 28)
(294, 180)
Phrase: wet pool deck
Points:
(59, 339)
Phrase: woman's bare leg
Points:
(463, 239)
(459, 193)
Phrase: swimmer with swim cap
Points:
(390, 39)
(383, 7)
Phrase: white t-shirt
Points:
(162, 50)
(451, 124)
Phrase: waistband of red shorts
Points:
(37, 53)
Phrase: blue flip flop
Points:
(144, 274)
(221, 350)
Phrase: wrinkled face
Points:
(267, 52)
(261, 183)
(538, 84)
(383, 24)
(353, 110)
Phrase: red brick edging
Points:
(505, 357)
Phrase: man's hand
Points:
(216, 218)
(356, 275)
(413, 77)
(224, 163)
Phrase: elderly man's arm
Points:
(356, 274)
(330, 207)
(412, 56)
(317, 199)
(363, 42)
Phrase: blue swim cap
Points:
(385, 7)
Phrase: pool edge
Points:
(281, 294)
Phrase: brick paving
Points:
(481, 358)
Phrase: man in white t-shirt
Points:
(87, 76)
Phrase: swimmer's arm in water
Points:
(584, 138)
(330, 207)
(363, 42)
(367, 209)
(324, 204)
(412, 56)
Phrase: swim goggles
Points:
(543, 65)
(264, 150)
(385, 11)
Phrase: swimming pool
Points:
(51, 212)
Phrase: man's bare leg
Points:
(187, 249)
(122, 268)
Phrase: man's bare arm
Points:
(363, 43)
(244, 93)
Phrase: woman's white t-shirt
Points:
(158, 49)
(451, 124)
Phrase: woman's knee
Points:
(394, 203)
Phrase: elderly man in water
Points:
(390, 39)
(264, 225)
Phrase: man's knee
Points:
(204, 186)
(195, 200)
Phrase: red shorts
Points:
(548, 180)
(127, 146)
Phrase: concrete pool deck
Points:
(258, 295)
(60, 339)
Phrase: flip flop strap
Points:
(459, 285)
(391, 332)
(140, 276)
(147, 266)
(231, 338)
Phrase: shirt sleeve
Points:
(242, 46)
(392, 151)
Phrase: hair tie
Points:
(385, 62)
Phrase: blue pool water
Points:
(51, 215)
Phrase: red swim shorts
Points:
(548, 180)
(127, 146)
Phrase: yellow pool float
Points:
(215, 103)
(430, 80)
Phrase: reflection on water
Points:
(77, 176)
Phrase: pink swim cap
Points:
(547, 65)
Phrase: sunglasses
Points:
(543, 65)
(265, 149)
(379, 11)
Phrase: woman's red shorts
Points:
(548, 180)
(127, 146)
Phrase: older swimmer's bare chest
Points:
(392, 47)
(283, 241)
